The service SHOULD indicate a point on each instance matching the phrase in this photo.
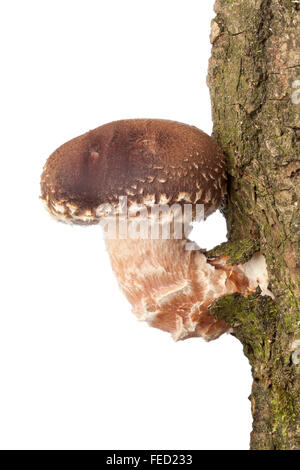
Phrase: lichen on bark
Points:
(253, 74)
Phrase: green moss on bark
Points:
(238, 252)
(253, 320)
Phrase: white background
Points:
(77, 369)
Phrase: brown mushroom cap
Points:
(151, 161)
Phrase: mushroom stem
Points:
(172, 288)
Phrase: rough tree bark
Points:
(254, 80)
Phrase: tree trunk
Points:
(254, 80)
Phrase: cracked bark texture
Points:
(253, 74)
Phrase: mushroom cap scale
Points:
(151, 161)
